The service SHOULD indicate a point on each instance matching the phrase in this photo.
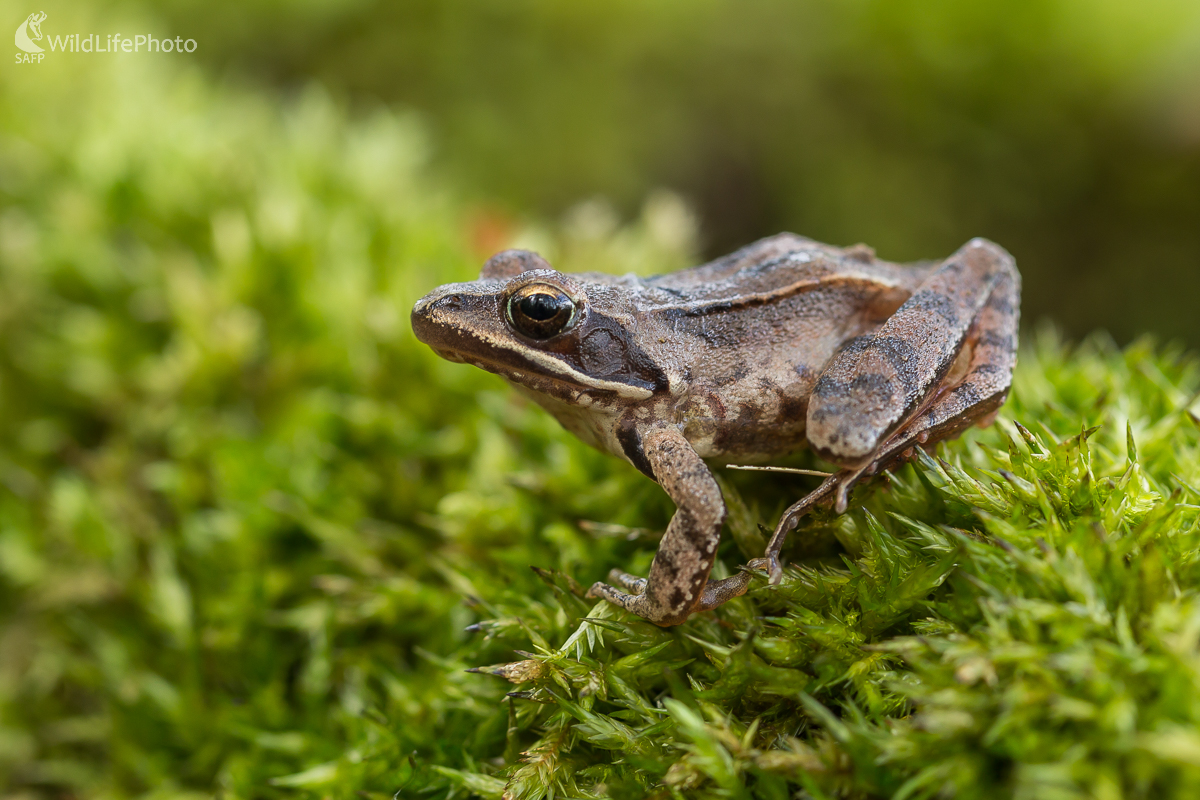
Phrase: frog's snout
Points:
(432, 303)
(435, 312)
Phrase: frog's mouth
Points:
(555, 379)
(449, 355)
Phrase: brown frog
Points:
(784, 343)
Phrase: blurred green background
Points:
(245, 517)
(1067, 130)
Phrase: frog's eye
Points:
(540, 311)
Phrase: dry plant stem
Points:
(789, 470)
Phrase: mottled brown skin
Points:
(784, 343)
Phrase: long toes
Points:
(611, 594)
(627, 581)
(638, 604)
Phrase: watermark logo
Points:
(29, 33)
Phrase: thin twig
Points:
(791, 470)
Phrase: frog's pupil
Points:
(540, 312)
(541, 307)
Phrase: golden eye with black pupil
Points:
(540, 311)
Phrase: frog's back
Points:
(756, 328)
(782, 262)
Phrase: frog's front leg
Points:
(678, 582)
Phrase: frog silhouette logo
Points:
(30, 31)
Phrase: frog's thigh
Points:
(871, 387)
(988, 378)
(685, 557)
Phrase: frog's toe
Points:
(770, 565)
(636, 603)
(604, 591)
(612, 594)
(628, 582)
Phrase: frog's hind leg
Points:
(872, 388)
(983, 388)
(719, 592)
(971, 386)
(789, 520)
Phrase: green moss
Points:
(253, 535)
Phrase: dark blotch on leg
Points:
(932, 302)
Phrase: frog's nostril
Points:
(452, 302)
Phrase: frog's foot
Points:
(770, 565)
(642, 604)
(715, 593)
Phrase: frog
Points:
(784, 344)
